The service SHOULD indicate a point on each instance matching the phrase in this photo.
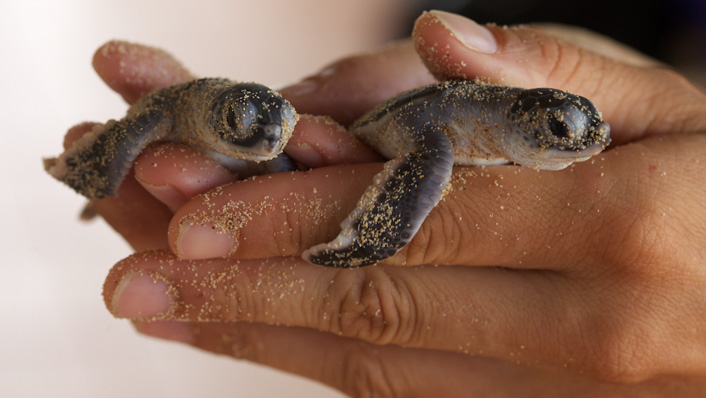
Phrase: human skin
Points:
(588, 281)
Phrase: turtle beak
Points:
(272, 136)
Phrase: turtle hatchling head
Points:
(559, 128)
(251, 121)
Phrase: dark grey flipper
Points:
(281, 163)
(393, 208)
(95, 167)
(248, 168)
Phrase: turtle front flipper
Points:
(247, 168)
(392, 209)
(97, 163)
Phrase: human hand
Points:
(578, 282)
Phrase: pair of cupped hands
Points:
(589, 281)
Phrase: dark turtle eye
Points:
(558, 128)
(230, 119)
(244, 130)
(239, 121)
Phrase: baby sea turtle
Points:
(424, 131)
(245, 126)
(428, 130)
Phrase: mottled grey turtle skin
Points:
(235, 123)
(424, 131)
(428, 130)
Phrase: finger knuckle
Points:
(365, 374)
(676, 106)
(639, 242)
(562, 60)
(675, 78)
(373, 307)
(566, 64)
(237, 342)
(639, 234)
(287, 232)
(624, 354)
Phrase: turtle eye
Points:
(242, 115)
(230, 119)
(558, 128)
(242, 124)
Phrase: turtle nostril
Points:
(604, 130)
(272, 134)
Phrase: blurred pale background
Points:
(57, 339)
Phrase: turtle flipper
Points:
(392, 209)
(280, 164)
(97, 163)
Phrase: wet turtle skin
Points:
(225, 119)
(425, 132)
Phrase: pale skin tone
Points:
(584, 282)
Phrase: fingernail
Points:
(142, 296)
(305, 87)
(306, 154)
(472, 35)
(201, 241)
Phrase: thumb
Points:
(637, 99)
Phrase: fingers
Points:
(500, 216)
(287, 213)
(362, 369)
(381, 305)
(503, 216)
(540, 320)
(636, 101)
(599, 44)
(175, 173)
(133, 70)
(274, 215)
(352, 86)
(353, 367)
(136, 215)
(319, 141)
